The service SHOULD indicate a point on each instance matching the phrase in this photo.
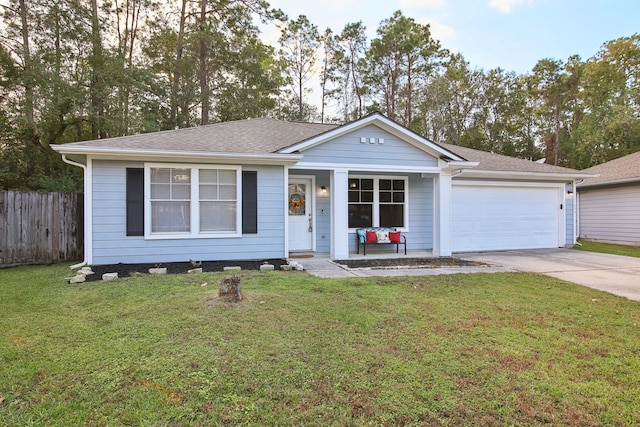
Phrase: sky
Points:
(511, 34)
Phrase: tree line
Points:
(74, 70)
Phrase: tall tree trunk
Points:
(556, 141)
(204, 81)
(409, 112)
(123, 40)
(133, 32)
(97, 91)
(175, 86)
(32, 132)
(300, 92)
(356, 85)
(58, 71)
(324, 96)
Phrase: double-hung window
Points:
(218, 200)
(192, 201)
(377, 202)
(170, 200)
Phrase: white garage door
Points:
(494, 217)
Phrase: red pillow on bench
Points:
(372, 237)
(394, 236)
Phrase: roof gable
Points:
(368, 146)
(383, 123)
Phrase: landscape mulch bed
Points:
(125, 270)
(409, 262)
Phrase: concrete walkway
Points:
(322, 266)
(615, 274)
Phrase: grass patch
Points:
(608, 248)
(484, 349)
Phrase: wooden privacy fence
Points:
(37, 228)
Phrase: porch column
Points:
(339, 214)
(442, 214)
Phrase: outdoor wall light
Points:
(323, 190)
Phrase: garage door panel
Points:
(502, 218)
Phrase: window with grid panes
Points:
(193, 200)
(377, 202)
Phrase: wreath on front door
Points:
(296, 204)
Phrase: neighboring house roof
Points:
(618, 171)
(498, 162)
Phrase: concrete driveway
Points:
(619, 275)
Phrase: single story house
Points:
(609, 204)
(265, 188)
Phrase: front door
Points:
(300, 215)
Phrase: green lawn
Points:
(484, 349)
(608, 248)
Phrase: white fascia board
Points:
(458, 166)
(607, 183)
(494, 183)
(184, 156)
(365, 168)
(473, 173)
(385, 124)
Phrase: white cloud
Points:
(439, 31)
(505, 6)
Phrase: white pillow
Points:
(383, 237)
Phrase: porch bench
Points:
(380, 236)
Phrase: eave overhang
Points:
(98, 153)
(634, 180)
(540, 176)
(457, 167)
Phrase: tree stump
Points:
(230, 289)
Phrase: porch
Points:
(390, 253)
(338, 202)
(321, 265)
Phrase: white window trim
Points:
(195, 203)
(376, 198)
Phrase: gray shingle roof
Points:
(250, 136)
(625, 168)
(267, 136)
(498, 162)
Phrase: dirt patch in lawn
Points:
(409, 262)
(127, 270)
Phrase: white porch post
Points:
(442, 214)
(339, 214)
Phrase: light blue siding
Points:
(323, 214)
(420, 231)
(112, 245)
(348, 149)
(420, 235)
(569, 201)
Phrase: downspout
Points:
(576, 207)
(86, 223)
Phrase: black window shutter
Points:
(135, 202)
(249, 202)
